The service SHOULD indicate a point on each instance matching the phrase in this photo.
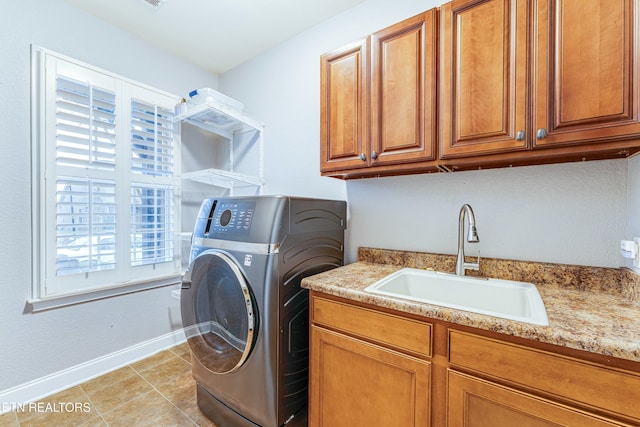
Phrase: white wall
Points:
(570, 213)
(281, 88)
(34, 345)
(633, 201)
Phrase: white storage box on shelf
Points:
(204, 95)
(218, 114)
(216, 117)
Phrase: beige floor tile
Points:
(171, 418)
(183, 350)
(61, 414)
(181, 392)
(118, 393)
(167, 372)
(93, 422)
(152, 361)
(108, 380)
(193, 412)
(140, 411)
(64, 420)
(60, 406)
(157, 391)
(9, 420)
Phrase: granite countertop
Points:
(591, 310)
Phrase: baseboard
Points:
(61, 380)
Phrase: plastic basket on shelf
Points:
(205, 95)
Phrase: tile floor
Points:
(157, 391)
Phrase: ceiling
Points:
(215, 34)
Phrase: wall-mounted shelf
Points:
(224, 179)
(218, 118)
(230, 123)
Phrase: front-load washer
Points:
(243, 310)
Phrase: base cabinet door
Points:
(473, 402)
(355, 383)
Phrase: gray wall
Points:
(633, 201)
(34, 345)
(569, 213)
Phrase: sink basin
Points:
(495, 297)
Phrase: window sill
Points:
(36, 305)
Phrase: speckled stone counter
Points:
(589, 308)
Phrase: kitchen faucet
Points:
(462, 266)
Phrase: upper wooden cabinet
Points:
(378, 101)
(483, 77)
(403, 91)
(585, 72)
(519, 82)
(344, 99)
(544, 81)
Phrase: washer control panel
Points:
(232, 217)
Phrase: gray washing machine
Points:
(244, 312)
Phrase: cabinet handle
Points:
(374, 155)
(520, 136)
(363, 157)
(542, 133)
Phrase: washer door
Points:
(222, 326)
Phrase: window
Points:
(105, 197)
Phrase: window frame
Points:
(47, 291)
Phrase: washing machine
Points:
(243, 310)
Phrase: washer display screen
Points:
(233, 217)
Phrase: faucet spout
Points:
(472, 237)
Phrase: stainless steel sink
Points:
(495, 297)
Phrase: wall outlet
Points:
(628, 249)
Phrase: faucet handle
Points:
(473, 265)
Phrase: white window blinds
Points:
(152, 147)
(151, 139)
(85, 124)
(107, 160)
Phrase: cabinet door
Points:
(403, 91)
(344, 99)
(473, 402)
(586, 71)
(354, 383)
(483, 77)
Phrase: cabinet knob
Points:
(363, 157)
(374, 155)
(520, 135)
(542, 133)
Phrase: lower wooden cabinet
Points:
(378, 367)
(356, 383)
(367, 368)
(564, 378)
(475, 402)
